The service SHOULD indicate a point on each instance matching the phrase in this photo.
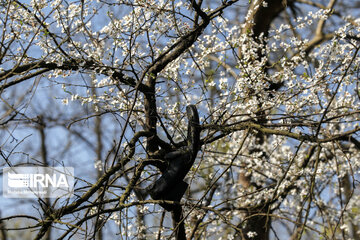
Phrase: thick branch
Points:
(67, 65)
(261, 17)
(266, 130)
(57, 214)
(186, 41)
(172, 53)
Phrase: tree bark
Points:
(44, 157)
(259, 21)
